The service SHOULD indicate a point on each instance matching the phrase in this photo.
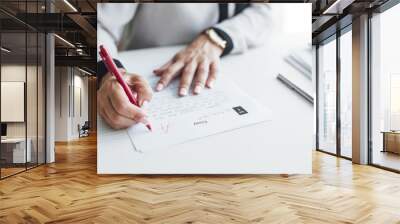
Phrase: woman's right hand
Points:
(113, 104)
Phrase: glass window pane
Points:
(22, 63)
(41, 98)
(327, 96)
(346, 94)
(32, 98)
(13, 84)
(386, 89)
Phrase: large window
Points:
(385, 89)
(346, 93)
(335, 94)
(327, 96)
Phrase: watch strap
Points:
(229, 43)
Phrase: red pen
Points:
(111, 67)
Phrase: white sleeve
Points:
(248, 28)
(111, 19)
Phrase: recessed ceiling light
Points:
(337, 7)
(86, 72)
(70, 5)
(5, 49)
(64, 40)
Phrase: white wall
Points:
(17, 73)
(14, 73)
(61, 104)
(70, 83)
(81, 84)
(34, 125)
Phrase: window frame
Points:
(334, 37)
(381, 9)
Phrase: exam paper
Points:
(176, 119)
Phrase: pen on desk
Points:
(111, 67)
(295, 88)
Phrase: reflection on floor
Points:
(386, 159)
(346, 152)
(11, 169)
(70, 191)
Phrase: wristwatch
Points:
(215, 38)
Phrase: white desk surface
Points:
(283, 145)
(13, 140)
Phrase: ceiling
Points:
(75, 21)
(332, 15)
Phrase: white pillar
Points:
(50, 92)
(360, 90)
(63, 102)
(50, 99)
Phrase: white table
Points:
(283, 145)
(18, 149)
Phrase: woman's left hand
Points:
(197, 63)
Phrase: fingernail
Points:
(144, 106)
(210, 84)
(140, 103)
(145, 103)
(159, 86)
(144, 120)
(183, 91)
(197, 89)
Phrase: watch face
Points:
(216, 38)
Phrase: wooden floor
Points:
(387, 159)
(5, 172)
(70, 191)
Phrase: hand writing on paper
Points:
(197, 63)
(115, 107)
